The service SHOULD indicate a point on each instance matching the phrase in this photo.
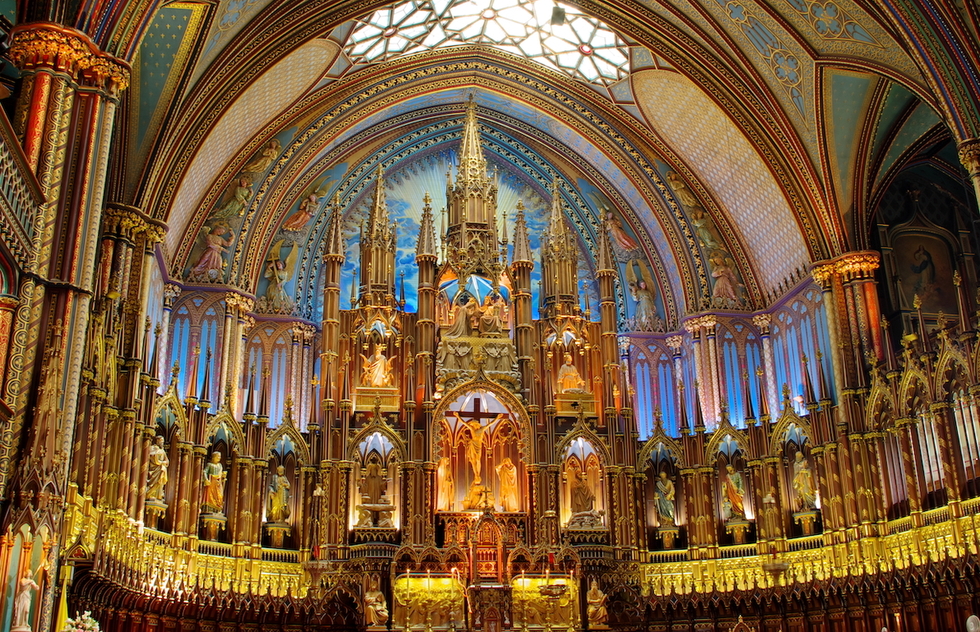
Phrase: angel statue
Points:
(726, 287)
(641, 289)
(279, 272)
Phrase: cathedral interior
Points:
(489, 315)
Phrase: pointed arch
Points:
(290, 430)
(224, 420)
(787, 420)
(504, 396)
(673, 447)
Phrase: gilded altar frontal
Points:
(489, 316)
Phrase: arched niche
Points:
(583, 473)
(482, 450)
(375, 453)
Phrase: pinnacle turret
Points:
(335, 237)
(427, 232)
(522, 244)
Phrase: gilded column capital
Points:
(675, 343)
(170, 293)
(40, 45)
(124, 220)
(235, 301)
(969, 151)
(762, 321)
(701, 322)
(852, 265)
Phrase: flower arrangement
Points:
(82, 623)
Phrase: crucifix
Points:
(475, 444)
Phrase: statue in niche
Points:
(447, 486)
(665, 500)
(507, 475)
(583, 498)
(492, 320)
(376, 371)
(569, 379)
(212, 261)
(22, 603)
(235, 207)
(264, 159)
(464, 313)
(733, 494)
(277, 509)
(803, 483)
(725, 290)
(596, 600)
(214, 485)
(374, 482)
(375, 605)
(474, 445)
(157, 475)
(681, 190)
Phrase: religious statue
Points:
(507, 475)
(214, 485)
(733, 492)
(492, 315)
(463, 313)
(385, 520)
(619, 237)
(583, 498)
(569, 379)
(375, 605)
(665, 500)
(277, 509)
(474, 445)
(803, 483)
(641, 289)
(373, 484)
(703, 229)
(211, 263)
(596, 600)
(22, 603)
(298, 220)
(681, 190)
(157, 476)
(278, 272)
(262, 161)
(447, 486)
(726, 281)
(236, 205)
(364, 518)
(376, 369)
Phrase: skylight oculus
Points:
(576, 44)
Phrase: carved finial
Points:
(785, 391)
(957, 279)
(916, 302)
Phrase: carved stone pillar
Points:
(853, 315)
(763, 322)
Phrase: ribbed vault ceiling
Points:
(725, 141)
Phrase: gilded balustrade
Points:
(165, 565)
